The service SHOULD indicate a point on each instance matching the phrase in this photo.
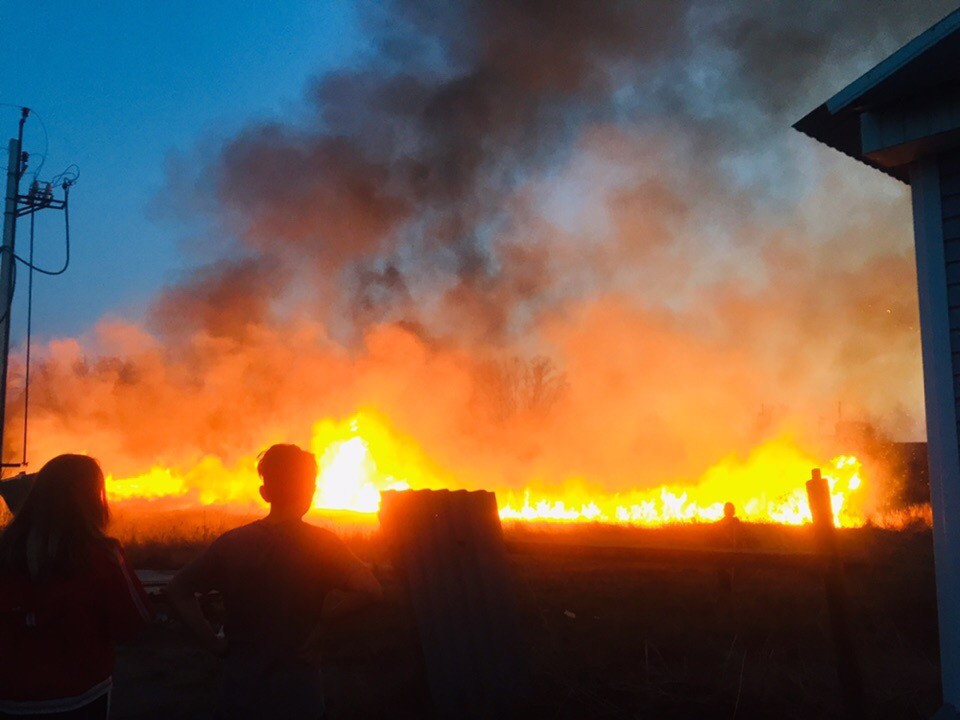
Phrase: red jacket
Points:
(56, 637)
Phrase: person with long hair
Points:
(66, 596)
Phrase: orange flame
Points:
(767, 487)
(361, 456)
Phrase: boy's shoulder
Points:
(259, 530)
(240, 536)
(319, 533)
(251, 528)
(317, 540)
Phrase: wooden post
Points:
(848, 663)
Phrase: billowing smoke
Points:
(613, 186)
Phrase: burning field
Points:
(577, 258)
(360, 457)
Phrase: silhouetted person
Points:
(66, 595)
(275, 575)
(731, 537)
(730, 526)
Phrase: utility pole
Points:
(15, 170)
(17, 206)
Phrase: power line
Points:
(40, 196)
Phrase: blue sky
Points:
(120, 86)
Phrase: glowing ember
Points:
(360, 457)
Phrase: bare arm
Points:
(196, 577)
(361, 589)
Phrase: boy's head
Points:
(289, 477)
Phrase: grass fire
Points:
(362, 456)
(481, 359)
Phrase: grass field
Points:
(605, 638)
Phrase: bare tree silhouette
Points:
(524, 386)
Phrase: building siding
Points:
(932, 178)
(950, 213)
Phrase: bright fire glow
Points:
(349, 478)
(769, 486)
(361, 456)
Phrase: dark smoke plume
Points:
(613, 185)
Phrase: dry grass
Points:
(166, 540)
(643, 642)
(662, 642)
(667, 643)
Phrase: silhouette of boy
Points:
(279, 577)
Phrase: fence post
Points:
(848, 663)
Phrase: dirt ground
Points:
(617, 638)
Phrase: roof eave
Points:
(842, 132)
(871, 79)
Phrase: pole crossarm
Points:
(27, 205)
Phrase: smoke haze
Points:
(614, 186)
